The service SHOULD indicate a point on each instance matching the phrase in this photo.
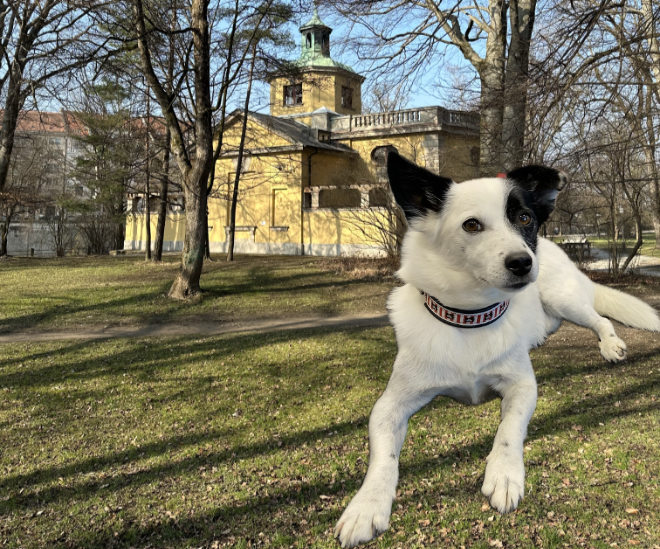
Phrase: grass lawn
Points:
(260, 440)
(65, 293)
(648, 246)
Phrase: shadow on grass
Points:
(266, 508)
(305, 502)
(80, 307)
(82, 479)
(146, 357)
(265, 284)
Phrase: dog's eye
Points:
(472, 225)
(525, 219)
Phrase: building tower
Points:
(316, 81)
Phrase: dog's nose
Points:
(519, 264)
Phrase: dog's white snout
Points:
(519, 263)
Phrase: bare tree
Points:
(495, 39)
(596, 60)
(194, 163)
(40, 41)
(195, 109)
(23, 194)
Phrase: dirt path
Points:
(198, 328)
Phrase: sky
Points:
(434, 85)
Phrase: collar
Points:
(461, 318)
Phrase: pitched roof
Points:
(63, 122)
(296, 132)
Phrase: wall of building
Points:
(320, 89)
(175, 229)
(347, 232)
(445, 153)
(321, 202)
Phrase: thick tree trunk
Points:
(196, 167)
(13, 105)
(186, 284)
(490, 140)
(516, 79)
(491, 74)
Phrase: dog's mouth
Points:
(517, 285)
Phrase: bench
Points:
(577, 251)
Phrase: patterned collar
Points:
(464, 319)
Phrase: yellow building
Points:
(313, 178)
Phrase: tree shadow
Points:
(267, 509)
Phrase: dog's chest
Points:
(463, 363)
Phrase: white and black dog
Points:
(480, 290)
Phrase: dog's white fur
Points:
(467, 271)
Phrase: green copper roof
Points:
(315, 45)
(315, 21)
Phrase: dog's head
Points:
(483, 229)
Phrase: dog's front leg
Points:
(368, 513)
(504, 481)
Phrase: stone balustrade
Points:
(401, 118)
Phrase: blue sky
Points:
(433, 86)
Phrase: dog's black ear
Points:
(415, 189)
(542, 185)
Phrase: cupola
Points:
(320, 82)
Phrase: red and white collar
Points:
(462, 318)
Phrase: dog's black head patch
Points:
(415, 189)
(520, 213)
(540, 185)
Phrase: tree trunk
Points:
(186, 284)
(13, 105)
(638, 242)
(147, 218)
(239, 161)
(165, 180)
(196, 167)
(516, 79)
(4, 233)
(491, 75)
(162, 204)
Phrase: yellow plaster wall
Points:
(175, 228)
(453, 157)
(353, 229)
(256, 136)
(332, 169)
(320, 89)
(269, 196)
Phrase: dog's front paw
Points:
(613, 349)
(367, 515)
(504, 481)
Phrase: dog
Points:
(480, 290)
